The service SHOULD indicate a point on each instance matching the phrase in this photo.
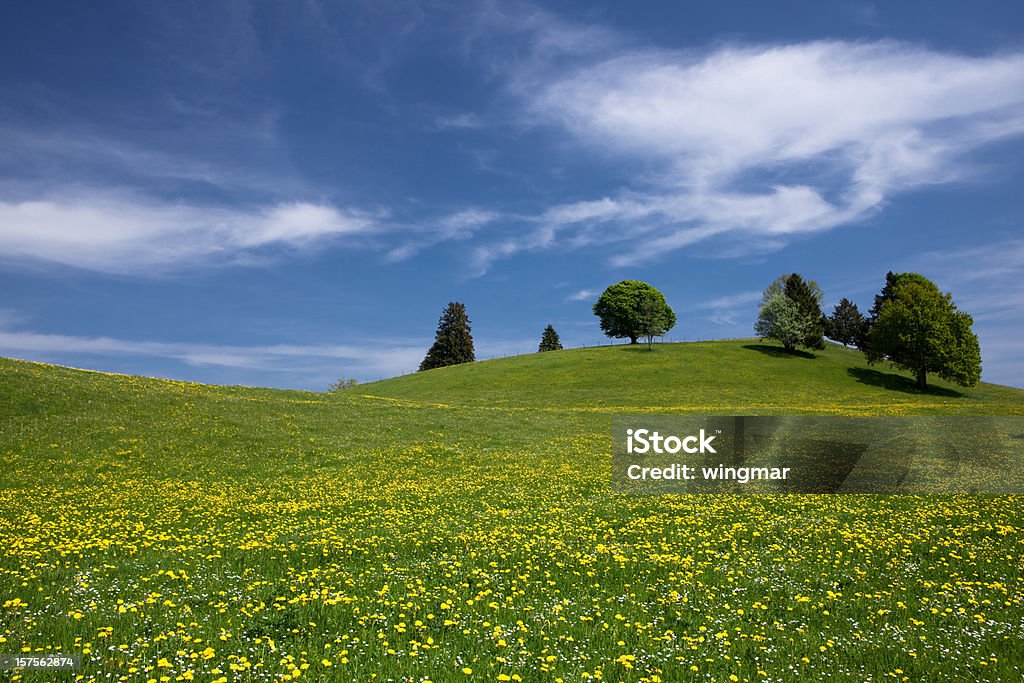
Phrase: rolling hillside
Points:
(53, 419)
(744, 376)
(460, 525)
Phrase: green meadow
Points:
(459, 525)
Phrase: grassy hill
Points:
(737, 376)
(459, 525)
(52, 418)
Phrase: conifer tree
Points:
(791, 313)
(807, 297)
(549, 341)
(846, 325)
(453, 343)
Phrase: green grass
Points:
(743, 375)
(463, 519)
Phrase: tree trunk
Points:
(632, 340)
(922, 379)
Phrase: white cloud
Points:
(582, 295)
(463, 121)
(56, 156)
(738, 107)
(459, 225)
(757, 145)
(725, 311)
(128, 234)
(466, 219)
(730, 301)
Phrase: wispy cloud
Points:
(730, 301)
(986, 280)
(64, 155)
(462, 121)
(459, 225)
(726, 311)
(755, 146)
(131, 234)
(582, 295)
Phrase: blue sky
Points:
(281, 194)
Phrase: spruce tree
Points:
(846, 325)
(453, 343)
(549, 341)
(807, 297)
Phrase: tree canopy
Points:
(918, 328)
(790, 313)
(453, 343)
(632, 309)
(892, 282)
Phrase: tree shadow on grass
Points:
(638, 348)
(778, 351)
(894, 382)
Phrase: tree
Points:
(846, 325)
(920, 329)
(654, 316)
(790, 313)
(619, 309)
(780, 319)
(343, 383)
(892, 282)
(807, 296)
(549, 341)
(453, 343)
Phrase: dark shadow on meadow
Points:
(639, 347)
(778, 351)
(894, 382)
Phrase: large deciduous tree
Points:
(632, 309)
(918, 328)
(453, 343)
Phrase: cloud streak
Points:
(131, 234)
(582, 295)
(755, 146)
